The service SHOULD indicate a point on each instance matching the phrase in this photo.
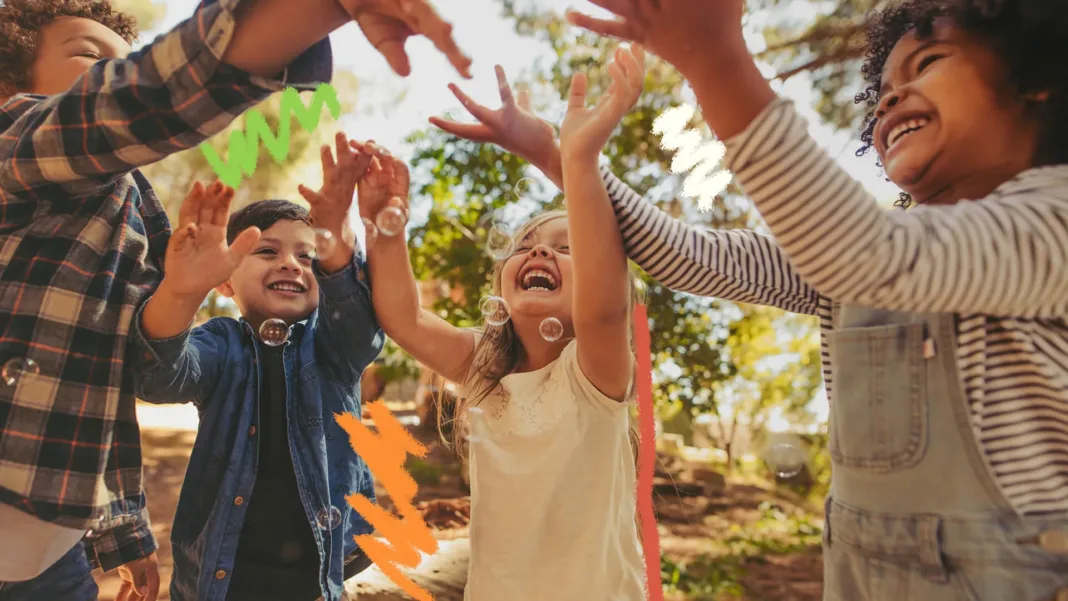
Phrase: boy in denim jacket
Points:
(262, 513)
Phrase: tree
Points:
(147, 13)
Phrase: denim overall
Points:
(914, 513)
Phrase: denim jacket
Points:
(216, 366)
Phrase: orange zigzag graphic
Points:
(385, 454)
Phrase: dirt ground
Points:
(690, 522)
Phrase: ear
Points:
(225, 289)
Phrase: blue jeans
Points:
(69, 579)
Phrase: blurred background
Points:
(730, 381)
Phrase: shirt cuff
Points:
(350, 281)
(313, 67)
(147, 354)
(122, 544)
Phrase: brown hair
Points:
(21, 22)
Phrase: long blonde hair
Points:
(499, 352)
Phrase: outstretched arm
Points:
(432, 341)
(173, 363)
(601, 300)
(740, 266)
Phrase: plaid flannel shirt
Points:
(82, 236)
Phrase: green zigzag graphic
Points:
(244, 148)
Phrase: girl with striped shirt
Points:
(945, 341)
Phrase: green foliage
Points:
(423, 472)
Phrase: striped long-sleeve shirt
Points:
(81, 239)
(998, 264)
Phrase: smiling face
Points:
(949, 124)
(536, 279)
(67, 47)
(275, 280)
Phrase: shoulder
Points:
(567, 369)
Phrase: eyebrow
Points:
(908, 59)
(88, 38)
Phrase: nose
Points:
(291, 263)
(887, 102)
(541, 251)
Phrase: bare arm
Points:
(432, 341)
(271, 34)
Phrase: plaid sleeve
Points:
(122, 114)
(129, 541)
(347, 337)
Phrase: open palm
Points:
(514, 127)
(586, 129)
(198, 257)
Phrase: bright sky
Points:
(392, 107)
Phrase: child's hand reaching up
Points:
(384, 184)
(331, 206)
(586, 130)
(514, 127)
(198, 258)
(689, 34)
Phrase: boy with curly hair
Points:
(82, 237)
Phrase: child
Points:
(83, 234)
(944, 325)
(262, 512)
(552, 471)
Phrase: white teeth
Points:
(903, 129)
(533, 273)
(286, 287)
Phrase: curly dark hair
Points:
(1031, 36)
(21, 22)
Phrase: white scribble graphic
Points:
(704, 182)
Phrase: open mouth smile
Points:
(288, 287)
(904, 129)
(540, 280)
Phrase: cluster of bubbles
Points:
(786, 456)
(14, 368)
(328, 518)
(495, 312)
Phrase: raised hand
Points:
(388, 24)
(198, 257)
(689, 34)
(386, 183)
(331, 205)
(514, 127)
(586, 129)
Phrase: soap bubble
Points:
(371, 231)
(14, 368)
(522, 186)
(551, 329)
(325, 244)
(494, 310)
(391, 221)
(328, 518)
(274, 332)
(475, 425)
(499, 244)
(786, 456)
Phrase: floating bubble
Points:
(786, 457)
(391, 221)
(551, 329)
(475, 425)
(371, 231)
(522, 186)
(274, 332)
(328, 518)
(499, 244)
(14, 368)
(325, 244)
(494, 310)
